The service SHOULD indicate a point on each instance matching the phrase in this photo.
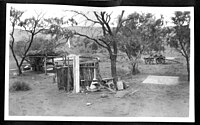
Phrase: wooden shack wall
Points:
(62, 77)
(86, 75)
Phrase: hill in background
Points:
(90, 31)
(77, 43)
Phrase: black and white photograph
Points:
(84, 63)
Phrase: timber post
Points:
(68, 75)
(65, 60)
(95, 73)
(76, 72)
(45, 64)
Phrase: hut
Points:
(39, 60)
(77, 72)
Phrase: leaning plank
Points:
(134, 92)
(102, 86)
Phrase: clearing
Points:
(151, 100)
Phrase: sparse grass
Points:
(19, 86)
(122, 72)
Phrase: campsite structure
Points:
(78, 71)
(72, 72)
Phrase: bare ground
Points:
(44, 99)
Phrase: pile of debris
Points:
(107, 83)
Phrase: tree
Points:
(180, 36)
(132, 45)
(15, 16)
(31, 25)
(142, 32)
(109, 38)
(59, 34)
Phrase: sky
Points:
(58, 11)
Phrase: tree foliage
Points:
(141, 32)
(59, 34)
(45, 45)
(179, 36)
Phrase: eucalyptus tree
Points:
(109, 37)
(141, 33)
(179, 36)
(15, 16)
(32, 26)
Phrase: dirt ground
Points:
(44, 99)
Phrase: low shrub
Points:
(19, 86)
(122, 72)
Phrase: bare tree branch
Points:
(30, 31)
(40, 30)
(98, 17)
(108, 17)
(107, 24)
(105, 42)
(91, 39)
(120, 21)
(80, 13)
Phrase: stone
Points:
(104, 95)
(88, 104)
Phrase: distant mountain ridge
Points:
(89, 31)
(21, 35)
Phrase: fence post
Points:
(76, 73)
(65, 61)
(45, 64)
(95, 72)
(68, 75)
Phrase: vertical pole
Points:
(65, 61)
(45, 65)
(68, 75)
(53, 63)
(53, 60)
(95, 73)
(76, 73)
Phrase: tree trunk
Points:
(18, 65)
(188, 67)
(134, 69)
(19, 69)
(113, 59)
(133, 63)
